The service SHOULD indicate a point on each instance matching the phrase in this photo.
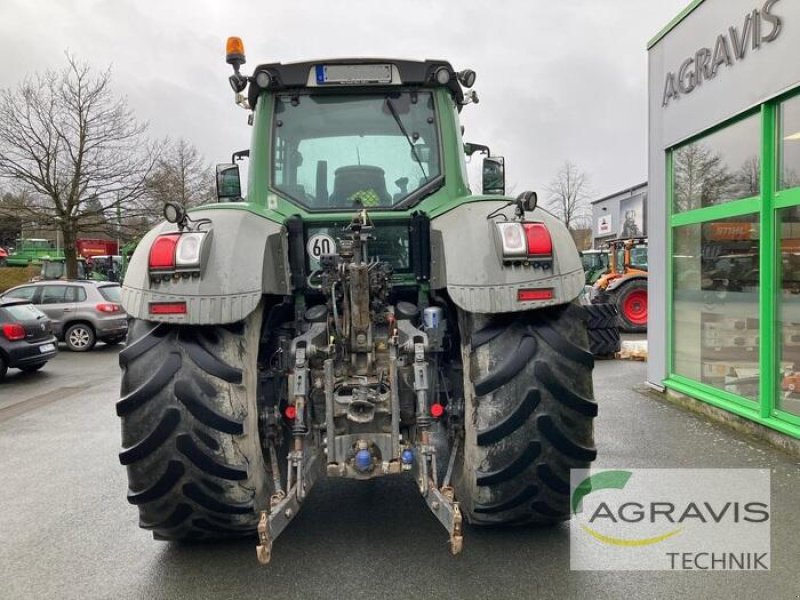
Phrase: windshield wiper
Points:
(405, 133)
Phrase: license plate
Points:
(353, 74)
(47, 348)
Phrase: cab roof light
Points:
(442, 75)
(234, 52)
(263, 79)
(234, 56)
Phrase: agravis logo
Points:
(687, 519)
(603, 481)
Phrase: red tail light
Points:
(531, 295)
(13, 332)
(168, 308)
(539, 241)
(162, 252)
(107, 307)
(290, 412)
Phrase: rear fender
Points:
(619, 282)
(247, 259)
(466, 259)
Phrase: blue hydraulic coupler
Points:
(363, 460)
(407, 457)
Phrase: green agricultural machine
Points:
(31, 251)
(358, 313)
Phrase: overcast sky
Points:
(557, 80)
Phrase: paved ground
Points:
(67, 531)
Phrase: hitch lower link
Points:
(302, 471)
(441, 500)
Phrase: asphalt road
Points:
(68, 532)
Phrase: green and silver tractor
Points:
(358, 313)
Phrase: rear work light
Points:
(13, 332)
(526, 242)
(168, 308)
(189, 248)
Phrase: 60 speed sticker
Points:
(320, 244)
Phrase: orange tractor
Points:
(624, 284)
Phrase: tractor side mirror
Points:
(229, 185)
(494, 175)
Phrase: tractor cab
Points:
(54, 268)
(595, 263)
(347, 134)
(106, 267)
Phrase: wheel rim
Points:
(79, 337)
(634, 307)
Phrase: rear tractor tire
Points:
(190, 429)
(603, 329)
(528, 414)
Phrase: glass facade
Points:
(716, 324)
(789, 144)
(789, 310)
(735, 265)
(718, 168)
(788, 252)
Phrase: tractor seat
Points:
(360, 183)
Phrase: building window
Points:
(716, 325)
(718, 168)
(788, 397)
(789, 144)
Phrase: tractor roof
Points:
(309, 75)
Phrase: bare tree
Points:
(701, 178)
(568, 195)
(749, 177)
(181, 174)
(73, 149)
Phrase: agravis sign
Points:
(761, 26)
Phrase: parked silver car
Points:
(82, 312)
